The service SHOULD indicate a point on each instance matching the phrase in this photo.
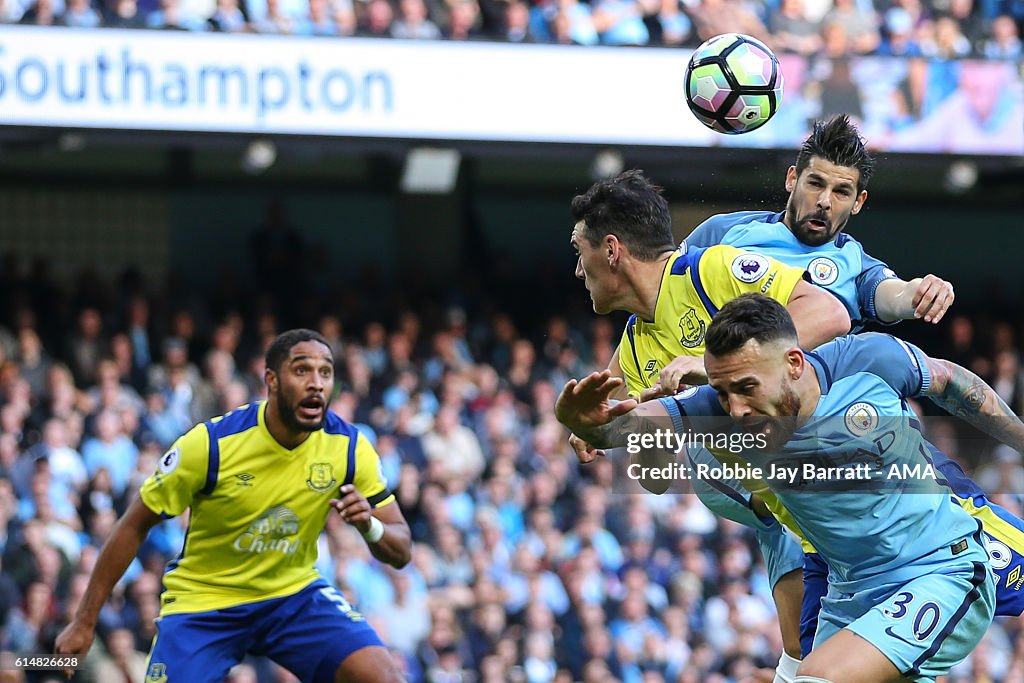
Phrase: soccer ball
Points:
(733, 83)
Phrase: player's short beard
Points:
(783, 425)
(807, 236)
(291, 421)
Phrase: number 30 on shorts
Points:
(926, 619)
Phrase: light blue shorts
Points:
(925, 625)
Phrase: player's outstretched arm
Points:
(117, 553)
(584, 451)
(962, 393)
(818, 315)
(927, 297)
(384, 529)
(585, 408)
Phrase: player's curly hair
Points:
(630, 207)
(748, 316)
(838, 141)
(278, 350)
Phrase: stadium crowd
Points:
(929, 28)
(527, 567)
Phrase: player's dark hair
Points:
(838, 141)
(278, 350)
(750, 316)
(630, 207)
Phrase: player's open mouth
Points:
(311, 408)
(815, 224)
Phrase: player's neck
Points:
(645, 285)
(809, 390)
(284, 436)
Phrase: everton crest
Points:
(321, 477)
(691, 329)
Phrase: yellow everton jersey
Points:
(696, 283)
(257, 507)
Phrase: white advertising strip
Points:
(381, 88)
(154, 80)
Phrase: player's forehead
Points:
(823, 168)
(309, 351)
(747, 363)
(576, 237)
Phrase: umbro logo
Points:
(244, 479)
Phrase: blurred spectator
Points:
(1004, 41)
(40, 13)
(462, 18)
(900, 40)
(412, 22)
(714, 17)
(80, 14)
(792, 31)
(620, 22)
(949, 42)
(319, 20)
(671, 25)
(87, 345)
(861, 26)
(517, 22)
(228, 17)
(123, 14)
(111, 450)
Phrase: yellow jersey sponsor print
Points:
(695, 284)
(257, 508)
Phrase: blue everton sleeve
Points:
(899, 364)
(873, 272)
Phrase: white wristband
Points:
(375, 532)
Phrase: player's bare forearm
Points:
(817, 314)
(395, 546)
(120, 549)
(927, 297)
(640, 420)
(962, 393)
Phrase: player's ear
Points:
(795, 363)
(613, 249)
(791, 179)
(270, 378)
(861, 198)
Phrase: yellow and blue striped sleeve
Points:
(180, 474)
(369, 476)
(727, 272)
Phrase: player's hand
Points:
(683, 370)
(353, 508)
(584, 451)
(75, 639)
(584, 403)
(654, 393)
(932, 298)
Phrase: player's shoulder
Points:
(714, 229)
(871, 352)
(236, 421)
(335, 425)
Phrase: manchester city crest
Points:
(321, 477)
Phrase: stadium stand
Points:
(526, 567)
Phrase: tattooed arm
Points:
(962, 393)
(584, 407)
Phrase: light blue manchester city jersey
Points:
(886, 525)
(840, 266)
